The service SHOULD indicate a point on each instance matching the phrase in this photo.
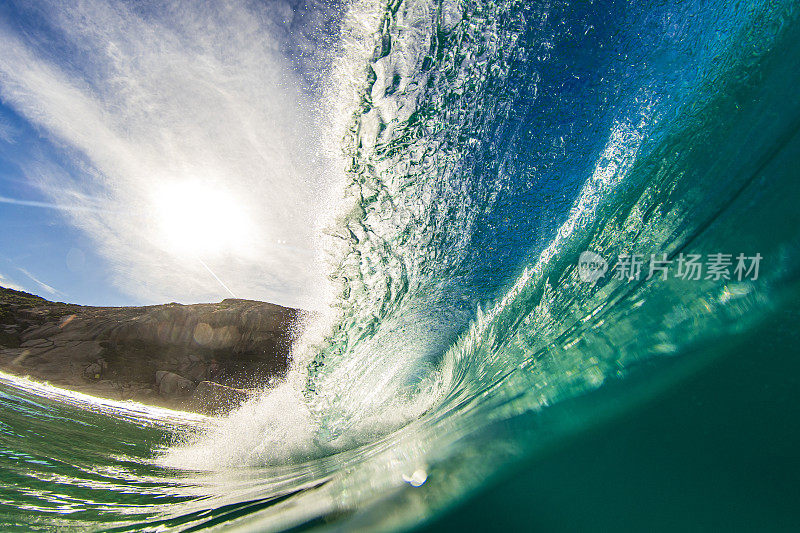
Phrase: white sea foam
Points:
(284, 425)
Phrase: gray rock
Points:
(93, 371)
(172, 385)
(198, 372)
(36, 343)
(234, 342)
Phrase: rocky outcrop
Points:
(157, 354)
(171, 385)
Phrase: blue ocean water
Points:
(488, 145)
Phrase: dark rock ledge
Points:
(203, 357)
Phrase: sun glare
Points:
(200, 219)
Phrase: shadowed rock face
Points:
(129, 352)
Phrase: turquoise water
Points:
(489, 145)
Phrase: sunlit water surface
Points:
(487, 145)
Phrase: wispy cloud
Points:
(8, 283)
(45, 205)
(7, 132)
(191, 93)
(40, 283)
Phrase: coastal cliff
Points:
(200, 357)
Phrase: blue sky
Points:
(157, 154)
(40, 252)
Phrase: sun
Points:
(201, 219)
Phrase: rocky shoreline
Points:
(206, 358)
